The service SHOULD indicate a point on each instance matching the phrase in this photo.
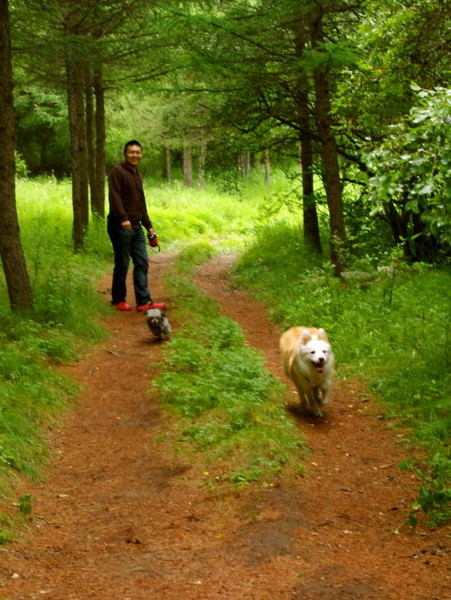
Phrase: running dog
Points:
(158, 323)
(309, 362)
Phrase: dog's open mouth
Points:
(319, 367)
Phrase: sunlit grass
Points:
(182, 215)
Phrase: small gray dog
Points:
(158, 323)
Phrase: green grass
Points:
(229, 404)
(183, 215)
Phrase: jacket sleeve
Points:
(145, 220)
(115, 197)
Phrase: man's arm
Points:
(116, 206)
(145, 219)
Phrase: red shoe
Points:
(151, 305)
(122, 306)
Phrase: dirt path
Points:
(120, 516)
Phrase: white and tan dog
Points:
(309, 362)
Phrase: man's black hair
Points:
(132, 143)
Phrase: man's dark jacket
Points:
(126, 196)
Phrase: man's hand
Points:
(126, 225)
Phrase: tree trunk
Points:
(166, 171)
(312, 237)
(202, 159)
(398, 223)
(90, 144)
(267, 166)
(187, 166)
(79, 152)
(329, 154)
(98, 198)
(310, 216)
(13, 259)
(244, 164)
(75, 82)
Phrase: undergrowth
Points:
(389, 328)
(229, 402)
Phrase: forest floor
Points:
(121, 516)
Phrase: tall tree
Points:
(98, 187)
(329, 150)
(302, 94)
(76, 74)
(13, 259)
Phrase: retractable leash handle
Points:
(153, 241)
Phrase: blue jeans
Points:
(126, 245)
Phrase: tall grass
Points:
(184, 215)
(64, 283)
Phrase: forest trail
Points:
(121, 516)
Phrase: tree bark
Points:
(13, 259)
(267, 166)
(329, 154)
(166, 163)
(312, 237)
(244, 164)
(202, 159)
(98, 197)
(75, 84)
(90, 136)
(79, 151)
(306, 156)
(187, 166)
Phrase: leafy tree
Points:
(396, 47)
(397, 52)
(13, 260)
(411, 185)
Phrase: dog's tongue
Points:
(319, 369)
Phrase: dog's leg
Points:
(325, 392)
(310, 401)
(304, 397)
(317, 402)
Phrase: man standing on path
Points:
(127, 217)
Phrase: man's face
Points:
(133, 155)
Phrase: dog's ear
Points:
(322, 335)
(305, 336)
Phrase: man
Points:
(127, 217)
